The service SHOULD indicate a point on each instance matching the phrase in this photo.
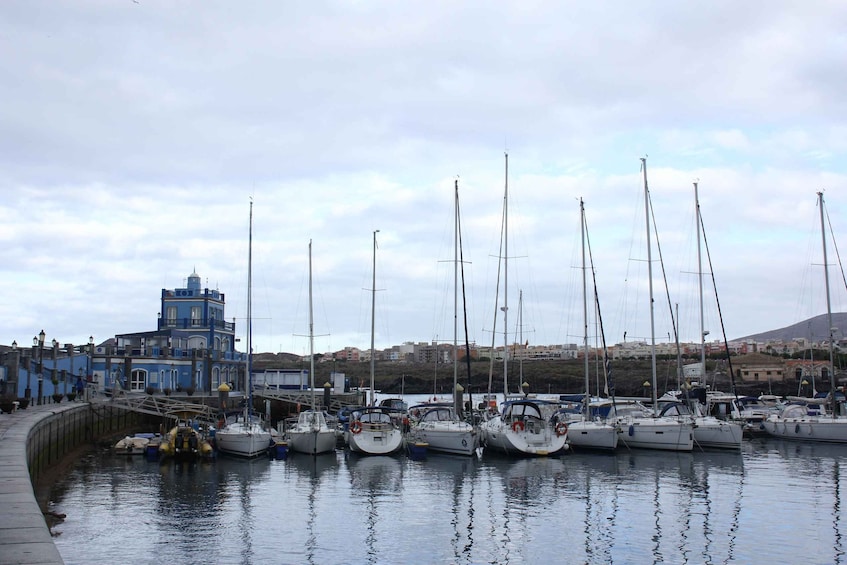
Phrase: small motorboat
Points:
(185, 441)
(133, 445)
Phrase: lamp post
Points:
(55, 372)
(646, 385)
(29, 367)
(16, 366)
(90, 368)
(70, 348)
(39, 340)
(525, 388)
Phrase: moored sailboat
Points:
(587, 432)
(710, 431)
(439, 425)
(372, 430)
(798, 421)
(246, 436)
(524, 427)
(311, 434)
(643, 428)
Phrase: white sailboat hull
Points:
(312, 442)
(667, 434)
(811, 428)
(381, 439)
(243, 439)
(593, 435)
(458, 438)
(311, 434)
(716, 433)
(503, 436)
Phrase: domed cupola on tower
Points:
(194, 283)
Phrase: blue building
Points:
(45, 369)
(193, 347)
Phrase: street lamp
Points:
(90, 368)
(525, 388)
(15, 371)
(55, 378)
(29, 369)
(39, 341)
(70, 372)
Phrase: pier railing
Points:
(303, 398)
(160, 406)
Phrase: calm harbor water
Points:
(773, 502)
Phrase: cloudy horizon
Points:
(135, 135)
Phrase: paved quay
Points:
(24, 535)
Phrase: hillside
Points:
(542, 376)
(814, 329)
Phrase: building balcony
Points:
(193, 323)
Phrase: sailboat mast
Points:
(456, 287)
(506, 282)
(679, 353)
(250, 312)
(435, 371)
(650, 281)
(373, 319)
(520, 341)
(828, 303)
(311, 332)
(700, 283)
(584, 306)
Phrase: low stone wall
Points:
(70, 426)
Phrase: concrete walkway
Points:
(24, 536)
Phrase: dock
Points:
(24, 535)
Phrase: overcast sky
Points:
(135, 133)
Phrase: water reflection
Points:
(311, 468)
(529, 481)
(377, 481)
(312, 471)
(626, 507)
(818, 464)
(453, 477)
(212, 496)
(374, 474)
(652, 506)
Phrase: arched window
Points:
(195, 342)
(138, 380)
